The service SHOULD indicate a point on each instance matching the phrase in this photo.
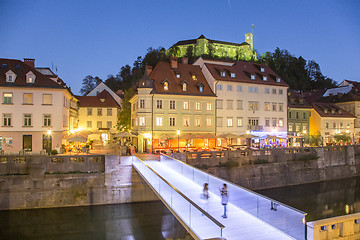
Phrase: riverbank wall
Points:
(60, 181)
(271, 168)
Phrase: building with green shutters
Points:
(202, 47)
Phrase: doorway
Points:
(47, 143)
(27, 143)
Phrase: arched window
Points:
(201, 88)
(184, 87)
(166, 86)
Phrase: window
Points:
(10, 76)
(327, 125)
(172, 104)
(252, 77)
(281, 107)
(166, 86)
(172, 122)
(239, 104)
(289, 115)
(290, 128)
(8, 98)
(267, 106)
(30, 77)
(99, 111)
(197, 106)
(159, 104)
(109, 112)
(208, 122)
(89, 124)
(142, 103)
(159, 121)
(178, 75)
(297, 115)
(141, 121)
(197, 122)
(229, 121)
(47, 99)
(274, 120)
(281, 122)
(264, 78)
(232, 75)
(28, 98)
(184, 87)
(334, 125)
(239, 121)
(297, 128)
(341, 125)
(219, 87)
(201, 88)
(186, 121)
(99, 124)
(194, 77)
(267, 90)
(222, 74)
(47, 120)
(274, 91)
(89, 111)
(229, 104)
(219, 103)
(219, 121)
(262, 69)
(253, 121)
(229, 88)
(304, 128)
(278, 79)
(253, 89)
(27, 120)
(209, 106)
(304, 115)
(186, 105)
(280, 91)
(274, 106)
(239, 88)
(253, 106)
(109, 124)
(7, 119)
(267, 122)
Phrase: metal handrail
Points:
(255, 193)
(184, 196)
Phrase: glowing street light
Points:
(49, 132)
(178, 133)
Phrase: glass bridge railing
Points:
(285, 218)
(203, 225)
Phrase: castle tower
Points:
(249, 39)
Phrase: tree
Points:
(190, 54)
(174, 51)
(124, 117)
(342, 138)
(89, 83)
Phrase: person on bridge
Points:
(205, 196)
(224, 198)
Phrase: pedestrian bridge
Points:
(250, 215)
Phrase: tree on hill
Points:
(124, 118)
(89, 83)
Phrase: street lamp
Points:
(178, 133)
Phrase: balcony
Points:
(257, 128)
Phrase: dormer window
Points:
(194, 77)
(102, 100)
(340, 112)
(232, 75)
(30, 77)
(10, 76)
(222, 74)
(278, 79)
(325, 111)
(252, 77)
(184, 87)
(201, 88)
(262, 69)
(332, 111)
(178, 75)
(264, 78)
(166, 86)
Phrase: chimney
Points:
(173, 62)
(185, 60)
(148, 69)
(30, 62)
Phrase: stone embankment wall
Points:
(260, 169)
(59, 181)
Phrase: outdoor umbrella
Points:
(228, 135)
(272, 137)
(209, 136)
(124, 134)
(76, 138)
(165, 137)
(247, 135)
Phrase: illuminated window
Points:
(47, 99)
(8, 98)
(197, 106)
(141, 121)
(298, 128)
(186, 105)
(186, 121)
(281, 122)
(208, 122)
(267, 106)
(166, 86)
(159, 121)
(184, 87)
(262, 69)
(252, 77)
(239, 121)
(278, 80)
(253, 106)
(232, 75)
(194, 77)
(178, 75)
(264, 78)
(197, 122)
(201, 88)
(290, 128)
(30, 77)
(222, 74)
(28, 98)
(229, 121)
(209, 106)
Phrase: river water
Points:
(322, 199)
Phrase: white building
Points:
(36, 110)
(250, 97)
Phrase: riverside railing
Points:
(279, 215)
(202, 225)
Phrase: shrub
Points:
(54, 152)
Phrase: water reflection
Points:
(123, 221)
(321, 200)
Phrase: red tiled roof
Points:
(104, 99)
(163, 72)
(314, 95)
(21, 69)
(331, 110)
(243, 71)
(295, 100)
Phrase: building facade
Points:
(36, 110)
(173, 98)
(214, 48)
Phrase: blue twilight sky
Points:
(98, 37)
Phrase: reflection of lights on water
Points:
(347, 209)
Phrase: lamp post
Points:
(178, 133)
